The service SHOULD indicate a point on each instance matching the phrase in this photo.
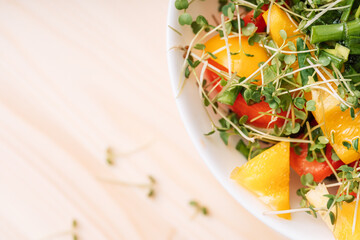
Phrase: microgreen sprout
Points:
(74, 227)
(111, 156)
(199, 208)
(172, 28)
(72, 232)
(149, 186)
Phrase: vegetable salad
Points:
(283, 78)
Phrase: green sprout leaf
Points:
(223, 82)
(181, 4)
(332, 217)
(252, 40)
(355, 144)
(201, 20)
(283, 34)
(323, 140)
(346, 144)
(349, 198)
(187, 72)
(325, 61)
(345, 168)
(225, 137)
(290, 59)
(343, 107)
(302, 60)
(307, 179)
(243, 119)
(200, 46)
(185, 19)
(228, 8)
(249, 29)
(334, 156)
(229, 96)
(310, 105)
(299, 102)
(242, 148)
(212, 55)
(199, 208)
(210, 133)
(352, 113)
(291, 46)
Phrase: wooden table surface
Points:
(77, 77)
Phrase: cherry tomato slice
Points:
(258, 21)
(240, 106)
(319, 170)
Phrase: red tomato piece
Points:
(258, 21)
(240, 106)
(319, 170)
(211, 76)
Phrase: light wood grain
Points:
(77, 77)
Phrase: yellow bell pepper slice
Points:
(267, 176)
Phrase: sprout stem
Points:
(293, 211)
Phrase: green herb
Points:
(185, 19)
(249, 29)
(291, 46)
(74, 223)
(222, 3)
(352, 113)
(242, 148)
(228, 10)
(355, 144)
(302, 60)
(307, 179)
(224, 136)
(150, 186)
(229, 95)
(283, 34)
(332, 217)
(110, 156)
(290, 59)
(72, 231)
(210, 133)
(299, 102)
(310, 105)
(243, 119)
(187, 72)
(212, 55)
(324, 61)
(298, 150)
(346, 144)
(199, 208)
(200, 23)
(334, 156)
(74, 227)
(323, 140)
(200, 46)
(300, 114)
(181, 4)
(255, 38)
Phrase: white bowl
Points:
(222, 159)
